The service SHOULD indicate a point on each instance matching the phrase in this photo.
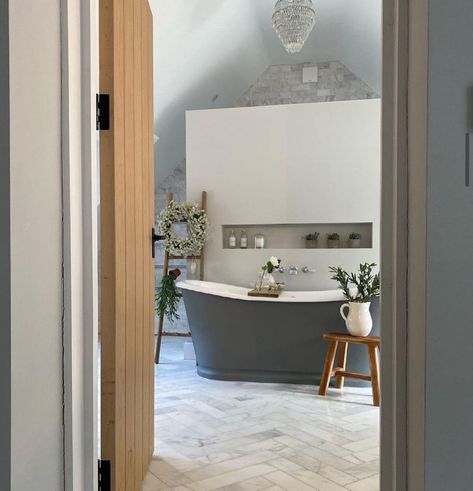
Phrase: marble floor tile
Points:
(368, 484)
(286, 481)
(254, 484)
(237, 436)
(233, 477)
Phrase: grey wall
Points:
(449, 336)
(5, 320)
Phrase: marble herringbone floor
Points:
(245, 436)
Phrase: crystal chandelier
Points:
(293, 21)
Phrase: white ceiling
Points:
(207, 47)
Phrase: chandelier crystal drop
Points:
(293, 21)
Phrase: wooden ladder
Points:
(167, 258)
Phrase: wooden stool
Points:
(372, 342)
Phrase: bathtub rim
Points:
(241, 293)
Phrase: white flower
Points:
(197, 228)
(274, 261)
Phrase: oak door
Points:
(126, 220)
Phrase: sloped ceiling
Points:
(208, 48)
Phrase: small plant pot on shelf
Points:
(311, 240)
(311, 244)
(354, 240)
(333, 241)
(354, 243)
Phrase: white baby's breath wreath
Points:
(197, 228)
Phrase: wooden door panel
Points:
(148, 214)
(138, 236)
(127, 216)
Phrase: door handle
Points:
(468, 149)
(155, 238)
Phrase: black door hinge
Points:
(105, 475)
(103, 111)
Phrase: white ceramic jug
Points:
(359, 321)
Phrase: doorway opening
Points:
(398, 287)
(288, 148)
(117, 428)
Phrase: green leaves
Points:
(343, 279)
(314, 236)
(167, 298)
(366, 283)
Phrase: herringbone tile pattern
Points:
(244, 436)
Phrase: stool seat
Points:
(348, 338)
(343, 339)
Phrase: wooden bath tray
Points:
(265, 292)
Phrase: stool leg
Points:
(342, 363)
(328, 367)
(374, 366)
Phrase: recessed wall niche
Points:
(293, 236)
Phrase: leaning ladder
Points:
(167, 258)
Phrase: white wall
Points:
(200, 50)
(36, 246)
(303, 163)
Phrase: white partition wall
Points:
(304, 164)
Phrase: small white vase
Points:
(359, 321)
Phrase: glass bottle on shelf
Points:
(259, 241)
(193, 267)
(243, 240)
(232, 240)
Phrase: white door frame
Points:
(79, 52)
(403, 277)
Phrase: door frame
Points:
(404, 131)
(79, 46)
(403, 243)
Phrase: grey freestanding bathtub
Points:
(237, 337)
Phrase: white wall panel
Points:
(303, 163)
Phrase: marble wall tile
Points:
(333, 76)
